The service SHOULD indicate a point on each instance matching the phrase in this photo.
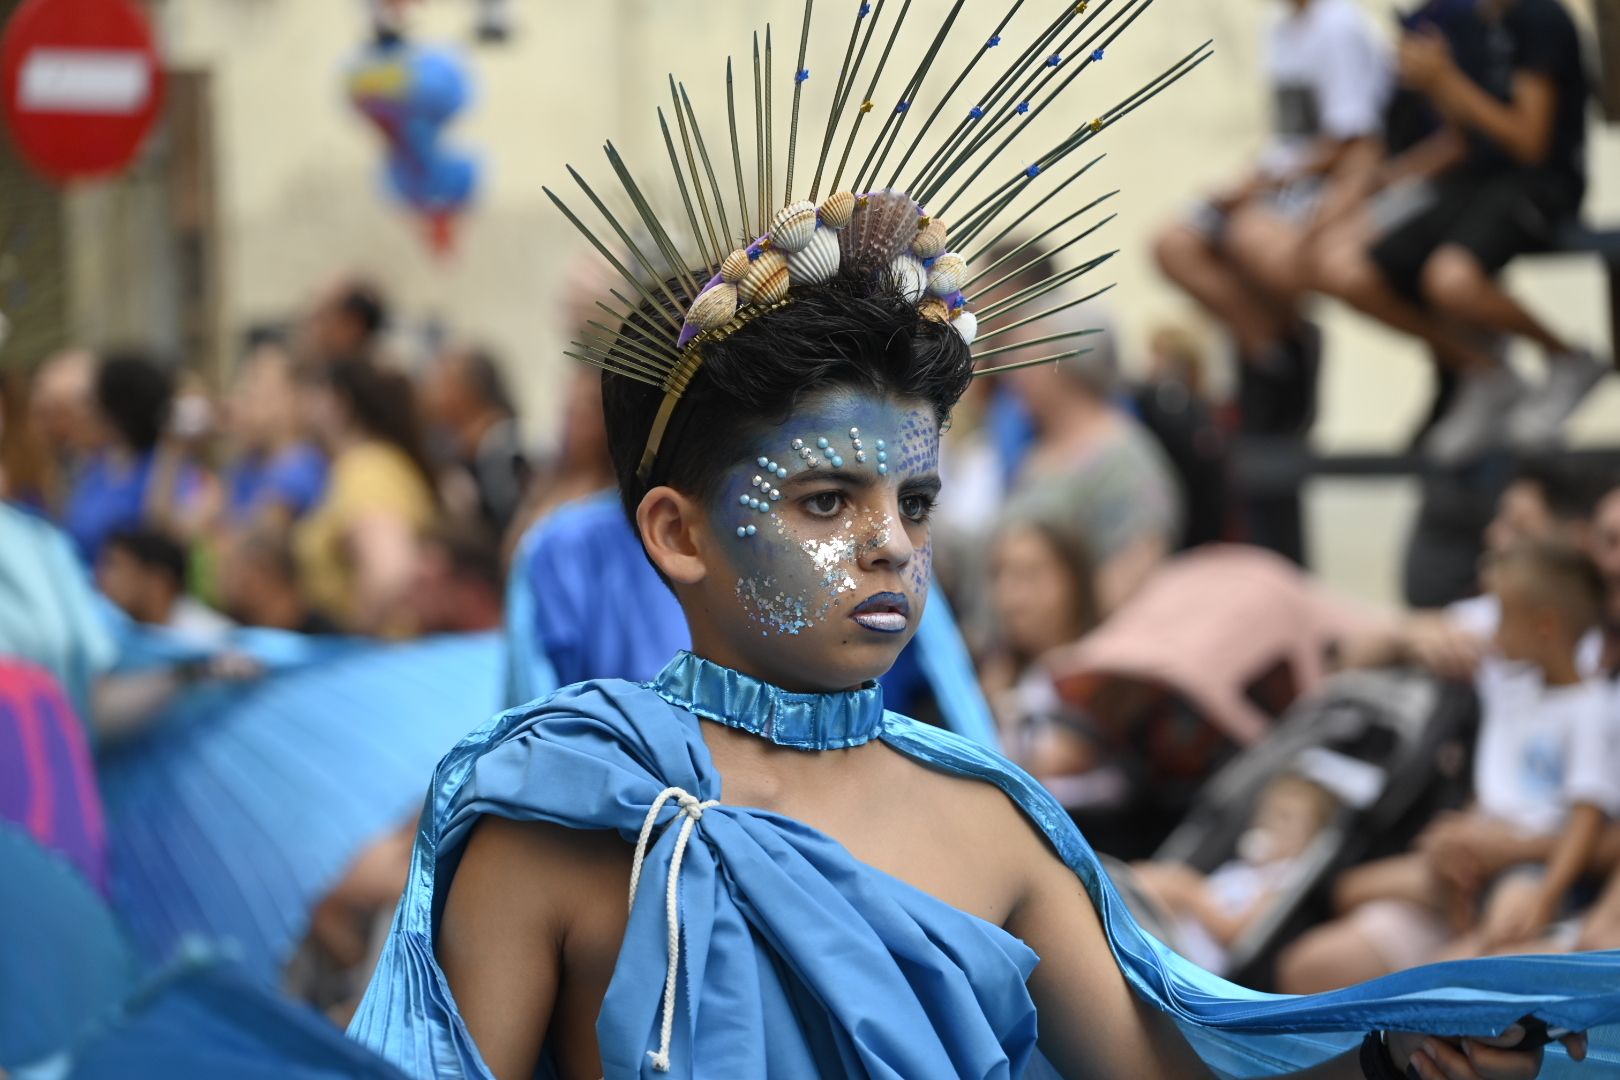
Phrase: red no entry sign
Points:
(80, 85)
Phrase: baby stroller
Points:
(1393, 746)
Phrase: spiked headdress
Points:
(885, 216)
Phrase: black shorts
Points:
(1496, 217)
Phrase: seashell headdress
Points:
(864, 220)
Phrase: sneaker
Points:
(1477, 417)
(1539, 420)
(1277, 389)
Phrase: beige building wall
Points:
(300, 196)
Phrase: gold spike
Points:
(736, 148)
(612, 258)
(886, 138)
(709, 260)
(1002, 329)
(1034, 292)
(716, 245)
(762, 191)
(708, 169)
(770, 138)
(866, 101)
(1025, 245)
(800, 75)
(1032, 363)
(846, 80)
(625, 238)
(971, 229)
(1061, 247)
(610, 365)
(1047, 340)
(655, 228)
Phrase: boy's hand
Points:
(1443, 647)
(1474, 1059)
(1424, 60)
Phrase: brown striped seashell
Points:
(908, 276)
(882, 227)
(817, 261)
(715, 306)
(935, 309)
(793, 226)
(734, 266)
(930, 240)
(948, 275)
(837, 208)
(766, 281)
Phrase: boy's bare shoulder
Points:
(977, 810)
(509, 861)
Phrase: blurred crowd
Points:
(1133, 635)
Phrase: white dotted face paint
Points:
(829, 517)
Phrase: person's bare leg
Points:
(1601, 928)
(1344, 270)
(1456, 284)
(1271, 253)
(1400, 877)
(1188, 260)
(1332, 956)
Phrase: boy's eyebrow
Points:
(843, 476)
(928, 483)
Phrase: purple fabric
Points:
(47, 779)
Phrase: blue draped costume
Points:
(796, 960)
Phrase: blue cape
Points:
(798, 960)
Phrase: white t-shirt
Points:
(1541, 749)
(1330, 77)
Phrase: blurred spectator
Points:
(1172, 405)
(357, 549)
(1094, 468)
(1212, 911)
(1516, 175)
(27, 476)
(1241, 254)
(346, 322)
(1604, 543)
(464, 397)
(118, 485)
(144, 573)
(581, 466)
(277, 474)
(258, 585)
(1546, 768)
(1042, 597)
(459, 584)
(61, 406)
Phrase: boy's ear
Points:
(673, 528)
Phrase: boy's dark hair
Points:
(135, 393)
(483, 373)
(153, 550)
(383, 402)
(363, 302)
(1560, 576)
(842, 334)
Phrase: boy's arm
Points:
(1569, 860)
(501, 937)
(1522, 127)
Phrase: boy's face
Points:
(823, 555)
(1529, 630)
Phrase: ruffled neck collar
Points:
(802, 721)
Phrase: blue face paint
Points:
(842, 523)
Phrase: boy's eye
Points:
(824, 503)
(917, 507)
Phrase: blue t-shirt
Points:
(110, 495)
(294, 477)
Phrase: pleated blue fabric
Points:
(799, 961)
(243, 805)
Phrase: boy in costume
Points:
(819, 887)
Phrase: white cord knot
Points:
(691, 810)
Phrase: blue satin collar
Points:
(802, 721)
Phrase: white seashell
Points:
(734, 266)
(818, 261)
(766, 281)
(715, 306)
(967, 324)
(793, 226)
(948, 275)
(908, 275)
(930, 240)
(837, 208)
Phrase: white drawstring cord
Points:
(691, 811)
